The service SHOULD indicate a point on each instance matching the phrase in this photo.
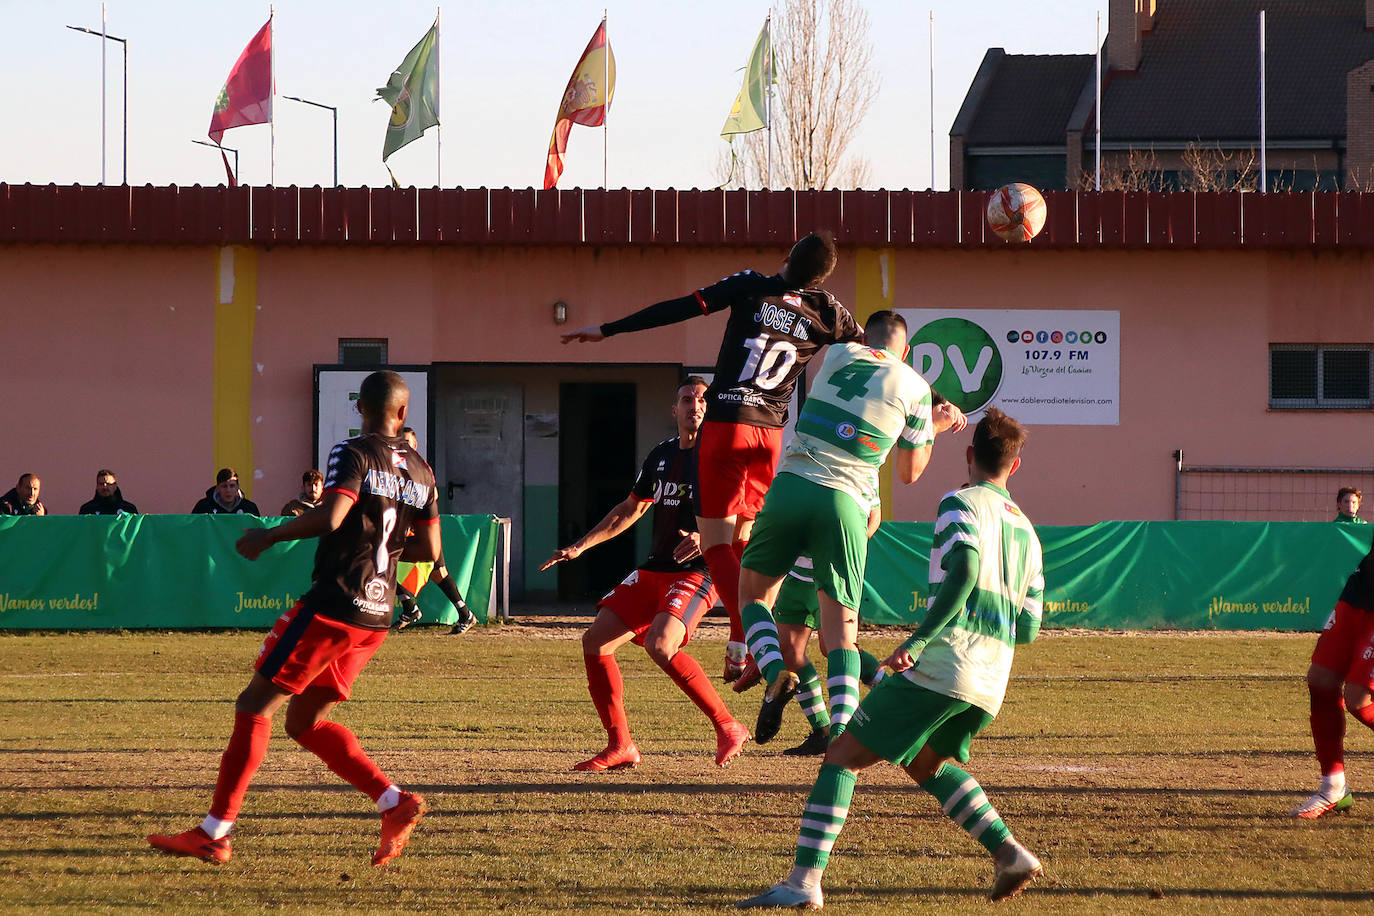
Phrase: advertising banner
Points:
(181, 571)
(1148, 575)
(1040, 366)
(336, 407)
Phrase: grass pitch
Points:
(1150, 773)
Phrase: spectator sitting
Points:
(312, 488)
(22, 499)
(225, 497)
(108, 500)
(1348, 502)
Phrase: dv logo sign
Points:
(960, 360)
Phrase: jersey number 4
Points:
(851, 381)
(768, 361)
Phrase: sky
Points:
(504, 67)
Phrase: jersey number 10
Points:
(768, 361)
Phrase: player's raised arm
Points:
(658, 315)
(624, 514)
(321, 520)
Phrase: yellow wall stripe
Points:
(875, 290)
(236, 301)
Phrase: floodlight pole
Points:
(336, 129)
(125, 43)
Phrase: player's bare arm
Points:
(912, 462)
(619, 519)
(321, 520)
(875, 518)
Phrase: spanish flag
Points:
(585, 101)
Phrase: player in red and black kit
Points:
(776, 325)
(1344, 653)
(376, 489)
(660, 604)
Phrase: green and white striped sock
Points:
(871, 671)
(965, 803)
(810, 697)
(842, 680)
(824, 814)
(761, 634)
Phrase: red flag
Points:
(590, 90)
(247, 94)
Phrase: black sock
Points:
(455, 597)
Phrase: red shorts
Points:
(315, 651)
(735, 464)
(1346, 645)
(644, 595)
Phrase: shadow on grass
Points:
(1159, 893)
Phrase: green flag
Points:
(751, 105)
(413, 93)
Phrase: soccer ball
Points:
(1016, 212)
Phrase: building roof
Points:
(1026, 99)
(1199, 71)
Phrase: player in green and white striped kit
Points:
(797, 613)
(987, 588)
(864, 401)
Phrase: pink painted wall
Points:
(110, 352)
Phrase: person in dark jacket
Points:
(22, 498)
(108, 499)
(225, 497)
(312, 491)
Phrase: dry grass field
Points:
(1150, 772)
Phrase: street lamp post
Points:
(336, 129)
(227, 149)
(125, 43)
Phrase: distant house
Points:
(1180, 101)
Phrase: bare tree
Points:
(1210, 168)
(825, 85)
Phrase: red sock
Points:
(247, 746)
(607, 688)
(339, 749)
(687, 673)
(1328, 729)
(1365, 714)
(725, 574)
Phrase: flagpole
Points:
(272, 90)
(102, 92)
(439, 134)
(1264, 121)
(768, 96)
(1097, 114)
(606, 102)
(932, 100)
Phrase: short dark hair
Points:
(105, 472)
(695, 380)
(226, 474)
(884, 328)
(1351, 491)
(408, 429)
(312, 476)
(382, 393)
(997, 440)
(812, 259)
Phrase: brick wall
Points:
(1359, 127)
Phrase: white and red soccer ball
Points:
(1016, 212)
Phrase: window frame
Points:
(1320, 401)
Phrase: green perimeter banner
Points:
(181, 571)
(1149, 575)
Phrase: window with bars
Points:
(362, 351)
(1319, 377)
